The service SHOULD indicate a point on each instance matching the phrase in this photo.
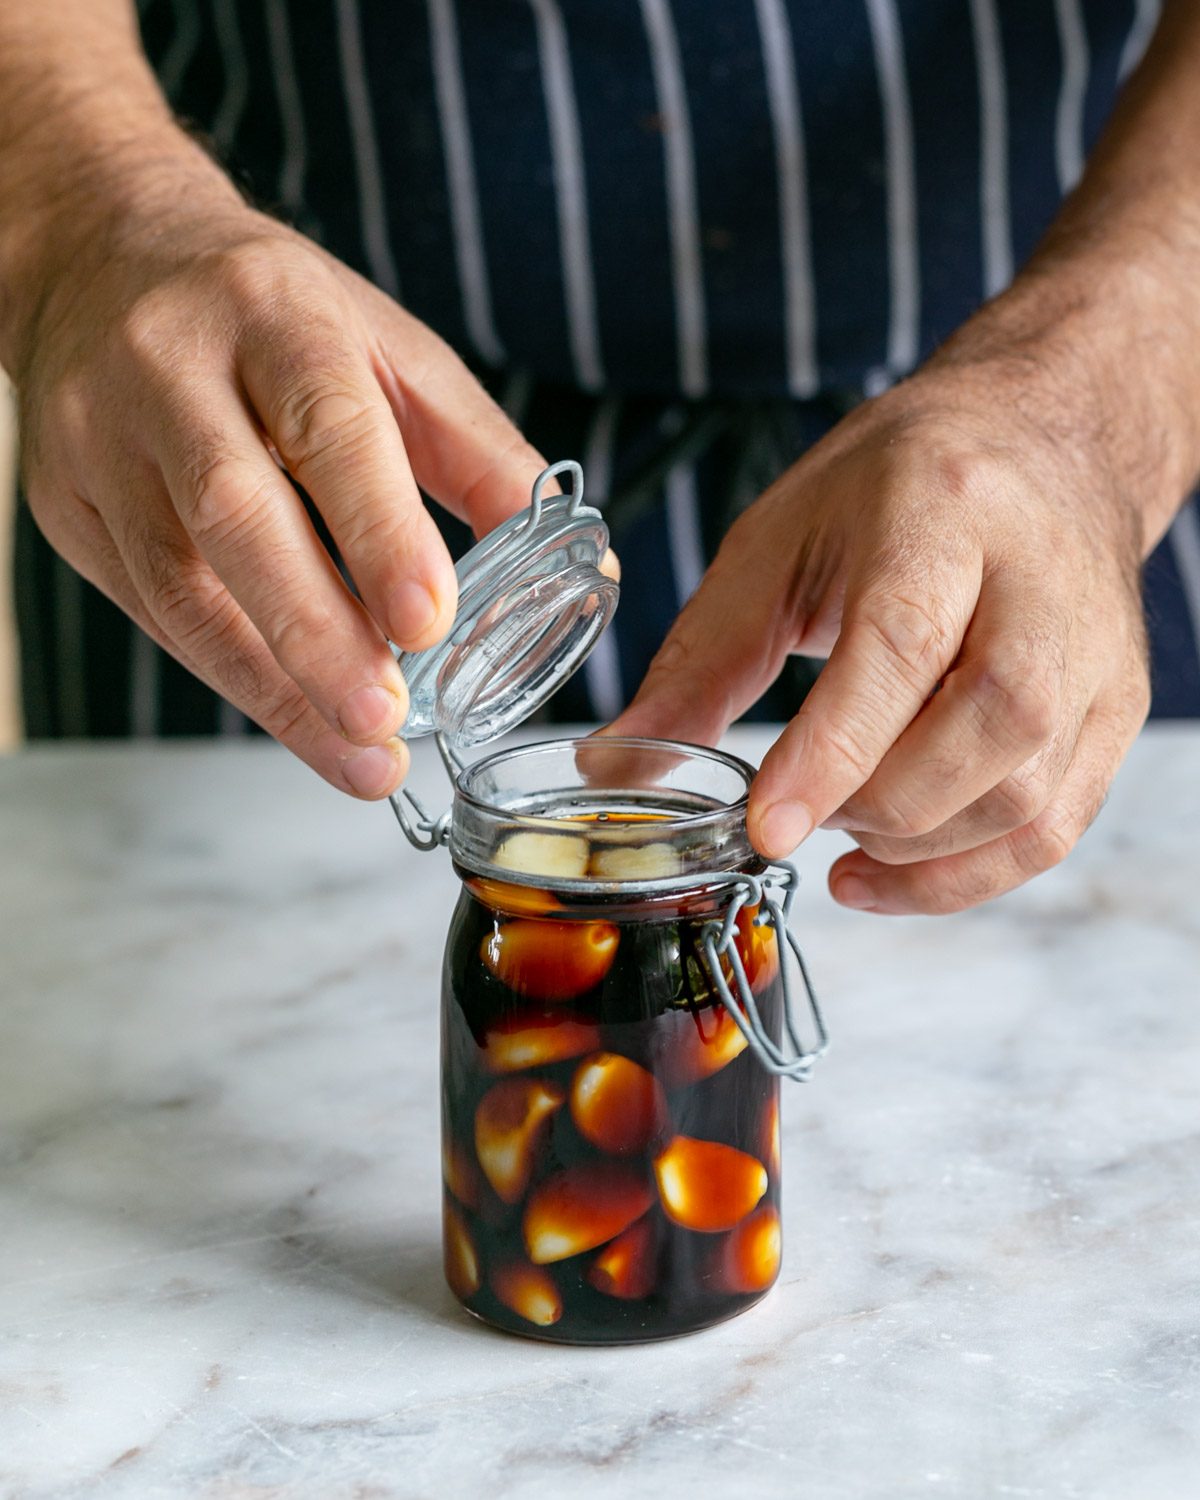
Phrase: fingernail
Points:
(373, 772)
(368, 712)
(854, 892)
(412, 611)
(784, 825)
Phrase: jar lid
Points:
(532, 604)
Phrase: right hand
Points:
(165, 347)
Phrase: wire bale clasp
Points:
(718, 940)
(424, 831)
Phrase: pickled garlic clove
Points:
(748, 1259)
(552, 856)
(459, 1172)
(706, 1186)
(626, 1267)
(758, 948)
(512, 900)
(582, 1207)
(634, 862)
(528, 1291)
(536, 1041)
(617, 1105)
(510, 1124)
(702, 1043)
(550, 960)
(772, 1145)
(459, 1255)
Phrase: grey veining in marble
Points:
(219, 1211)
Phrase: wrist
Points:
(1100, 352)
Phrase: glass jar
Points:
(616, 1004)
(610, 1139)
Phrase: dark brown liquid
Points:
(610, 1143)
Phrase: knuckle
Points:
(508, 459)
(962, 473)
(318, 425)
(221, 497)
(1025, 698)
(191, 605)
(251, 272)
(1053, 834)
(386, 532)
(239, 677)
(284, 715)
(69, 412)
(917, 632)
(294, 632)
(1015, 801)
(140, 326)
(902, 819)
(146, 333)
(889, 851)
(678, 674)
(839, 742)
(956, 890)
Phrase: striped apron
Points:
(678, 239)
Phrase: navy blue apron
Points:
(677, 238)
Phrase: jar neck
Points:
(608, 819)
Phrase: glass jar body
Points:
(610, 1143)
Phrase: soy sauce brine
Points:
(610, 1145)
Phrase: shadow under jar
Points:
(610, 1139)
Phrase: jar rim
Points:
(622, 742)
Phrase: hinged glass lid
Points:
(532, 604)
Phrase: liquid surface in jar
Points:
(610, 1143)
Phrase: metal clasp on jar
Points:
(424, 831)
(719, 941)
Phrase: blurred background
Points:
(9, 719)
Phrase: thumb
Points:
(464, 450)
(725, 649)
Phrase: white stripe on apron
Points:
(682, 216)
(291, 108)
(237, 76)
(783, 98)
(904, 274)
(460, 181)
(994, 205)
(602, 669)
(1068, 130)
(1141, 32)
(571, 194)
(372, 207)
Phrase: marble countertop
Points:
(219, 1202)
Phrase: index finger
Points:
(901, 630)
(323, 408)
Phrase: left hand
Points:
(966, 551)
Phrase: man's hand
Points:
(973, 579)
(152, 389)
(171, 349)
(966, 550)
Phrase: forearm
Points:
(1110, 301)
(85, 134)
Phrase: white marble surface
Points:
(219, 1213)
